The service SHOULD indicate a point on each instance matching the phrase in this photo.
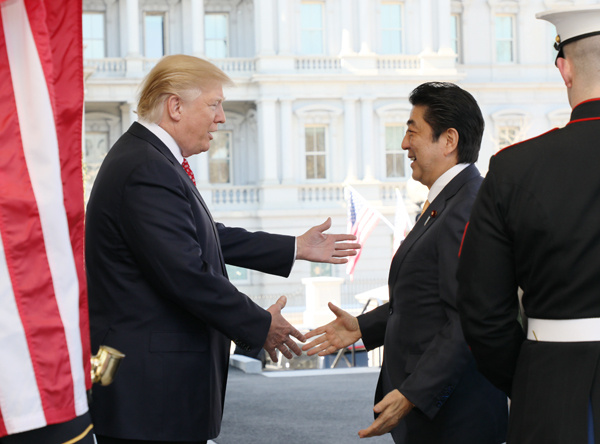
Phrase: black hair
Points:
(449, 106)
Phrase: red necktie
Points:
(188, 170)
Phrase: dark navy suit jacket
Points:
(159, 292)
(426, 357)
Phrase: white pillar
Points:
(128, 115)
(350, 125)
(132, 29)
(199, 165)
(263, 22)
(287, 143)
(197, 28)
(364, 12)
(320, 291)
(367, 141)
(285, 27)
(267, 141)
(348, 9)
(426, 28)
(443, 12)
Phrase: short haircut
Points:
(585, 55)
(449, 106)
(180, 75)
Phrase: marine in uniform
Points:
(535, 225)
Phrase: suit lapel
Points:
(428, 219)
(142, 132)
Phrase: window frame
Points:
(399, 151)
(401, 30)
(304, 51)
(229, 158)
(104, 46)
(164, 16)
(324, 153)
(227, 34)
(512, 40)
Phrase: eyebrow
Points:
(410, 122)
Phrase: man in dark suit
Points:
(158, 287)
(429, 389)
(536, 225)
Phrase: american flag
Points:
(44, 331)
(362, 219)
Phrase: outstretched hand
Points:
(279, 334)
(340, 333)
(391, 409)
(316, 246)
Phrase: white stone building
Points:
(321, 101)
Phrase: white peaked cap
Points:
(573, 23)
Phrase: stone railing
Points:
(318, 63)
(403, 62)
(321, 193)
(236, 65)
(235, 196)
(107, 66)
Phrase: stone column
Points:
(368, 144)
(267, 141)
(426, 26)
(364, 24)
(286, 142)
(320, 291)
(284, 27)
(263, 20)
(443, 16)
(350, 138)
(197, 28)
(132, 27)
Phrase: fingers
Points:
(272, 353)
(281, 302)
(350, 246)
(325, 225)
(295, 333)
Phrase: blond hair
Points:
(180, 75)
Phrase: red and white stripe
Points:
(362, 219)
(44, 331)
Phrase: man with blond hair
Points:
(535, 226)
(158, 287)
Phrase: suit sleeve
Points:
(445, 360)
(265, 252)
(165, 237)
(487, 297)
(372, 326)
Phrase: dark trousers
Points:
(108, 440)
(76, 431)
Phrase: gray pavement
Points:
(299, 407)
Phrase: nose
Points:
(220, 115)
(405, 145)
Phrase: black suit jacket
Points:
(159, 292)
(426, 357)
(536, 225)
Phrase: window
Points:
(395, 157)
(316, 157)
(508, 135)
(455, 36)
(219, 158)
(154, 35)
(505, 39)
(311, 25)
(216, 39)
(93, 35)
(392, 18)
(237, 274)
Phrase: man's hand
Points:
(316, 246)
(342, 332)
(278, 337)
(391, 409)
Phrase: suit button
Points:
(391, 310)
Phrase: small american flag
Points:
(362, 219)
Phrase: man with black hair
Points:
(429, 390)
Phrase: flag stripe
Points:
(35, 229)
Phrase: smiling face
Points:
(193, 119)
(430, 159)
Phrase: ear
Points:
(566, 70)
(451, 142)
(173, 106)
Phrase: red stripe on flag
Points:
(64, 27)
(26, 258)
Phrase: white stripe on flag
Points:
(19, 394)
(40, 145)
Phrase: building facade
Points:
(321, 101)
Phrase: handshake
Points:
(340, 333)
(329, 338)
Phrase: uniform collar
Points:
(587, 109)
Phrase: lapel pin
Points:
(431, 215)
